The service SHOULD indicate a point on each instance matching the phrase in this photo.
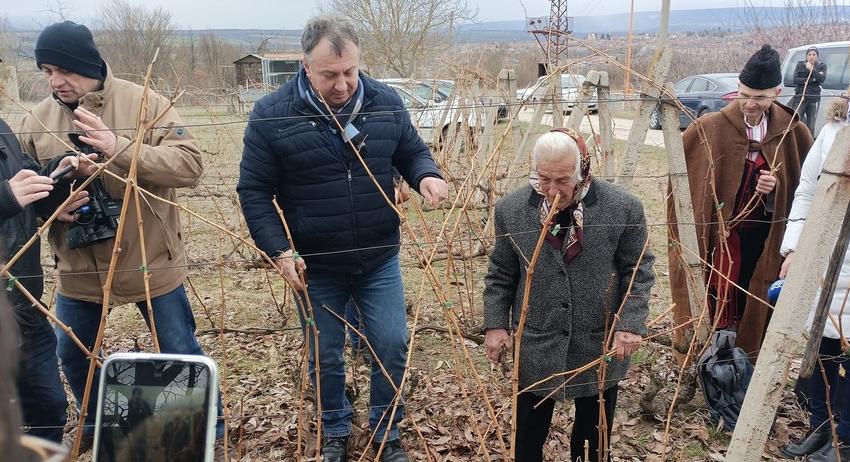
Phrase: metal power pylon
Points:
(551, 33)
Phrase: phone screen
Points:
(154, 410)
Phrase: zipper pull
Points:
(349, 175)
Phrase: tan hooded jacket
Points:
(169, 159)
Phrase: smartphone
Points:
(156, 407)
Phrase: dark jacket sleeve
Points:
(11, 157)
(412, 157)
(631, 260)
(259, 172)
(17, 160)
(9, 206)
(800, 73)
(819, 73)
(501, 281)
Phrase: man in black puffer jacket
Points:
(344, 228)
(27, 191)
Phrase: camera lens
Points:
(84, 214)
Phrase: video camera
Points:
(96, 221)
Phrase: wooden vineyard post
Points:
(651, 92)
(580, 106)
(810, 355)
(681, 190)
(783, 341)
(555, 95)
(606, 125)
(506, 91)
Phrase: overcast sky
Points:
(292, 14)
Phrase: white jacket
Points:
(800, 209)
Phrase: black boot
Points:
(335, 449)
(810, 444)
(393, 452)
(827, 452)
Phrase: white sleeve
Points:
(806, 190)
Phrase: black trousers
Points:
(752, 246)
(808, 111)
(533, 426)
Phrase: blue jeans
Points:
(352, 315)
(831, 357)
(175, 330)
(44, 406)
(380, 296)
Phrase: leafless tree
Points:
(798, 22)
(399, 34)
(59, 9)
(5, 38)
(215, 56)
(129, 35)
(262, 47)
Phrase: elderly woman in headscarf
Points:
(817, 445)
(593, 277)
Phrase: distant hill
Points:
(644, 22)
(515, 30)
(278, 39)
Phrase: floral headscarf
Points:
(574, 231)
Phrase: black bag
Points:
(724, 373)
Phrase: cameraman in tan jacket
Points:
(88, 100)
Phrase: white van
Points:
(835, 55)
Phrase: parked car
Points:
(433, 119)
(485, 102)
(425, 90)
(700, 94)
(834, 54)
(439, 91)
(570, 85)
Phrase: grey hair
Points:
(554, 146)
(336, 29)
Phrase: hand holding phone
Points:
(155, 407)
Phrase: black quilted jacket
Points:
(330, 204)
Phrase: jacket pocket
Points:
(301, 127)
(295, 140)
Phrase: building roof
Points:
(269, 57)
(283, 56)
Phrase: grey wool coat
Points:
(569, 305)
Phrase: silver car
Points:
(433, 119)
